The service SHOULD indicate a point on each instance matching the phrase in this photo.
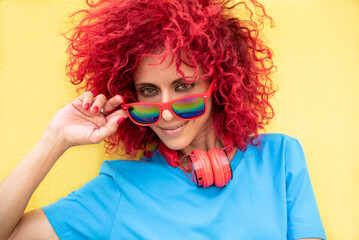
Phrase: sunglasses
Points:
(185, 108)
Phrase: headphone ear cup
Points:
(221, 167)
(202, 171)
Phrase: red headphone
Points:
(206, 168)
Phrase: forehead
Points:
(155, 69)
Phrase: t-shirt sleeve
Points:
(89, 212)
(302, 210)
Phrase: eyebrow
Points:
(154, 85)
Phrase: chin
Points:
(175, 143)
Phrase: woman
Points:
(193, 78)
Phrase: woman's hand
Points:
(81, 121)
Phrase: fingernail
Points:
(86, 107)
(120, 120)
(95, 110)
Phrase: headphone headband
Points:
(170, 155)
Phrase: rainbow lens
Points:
(144, 113)
(190, 107)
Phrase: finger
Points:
(86, 99)
(119, 114)
(98, 103)
(113, 103)
(106, 131)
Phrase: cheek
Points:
(153, 128)
(201, 124)
(208, 110)
(206, 119)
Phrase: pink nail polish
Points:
(120, 120)
(95, 110)
(86, 107)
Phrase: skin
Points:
(157, 83)
(80, 123)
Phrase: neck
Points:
(206, 141)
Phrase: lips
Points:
(173, 128)
(173, 131)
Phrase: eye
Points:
(184, 86)
(148, 91)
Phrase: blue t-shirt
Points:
(270, 197)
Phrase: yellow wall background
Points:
(316, 46)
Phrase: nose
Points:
(167, 115)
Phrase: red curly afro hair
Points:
(113, 36)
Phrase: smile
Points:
(174, 130)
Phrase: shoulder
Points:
(275, 139)
(115, 168)
(274, 150)
(274, 143)
(110, 167)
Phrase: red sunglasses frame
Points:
(168, 105)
